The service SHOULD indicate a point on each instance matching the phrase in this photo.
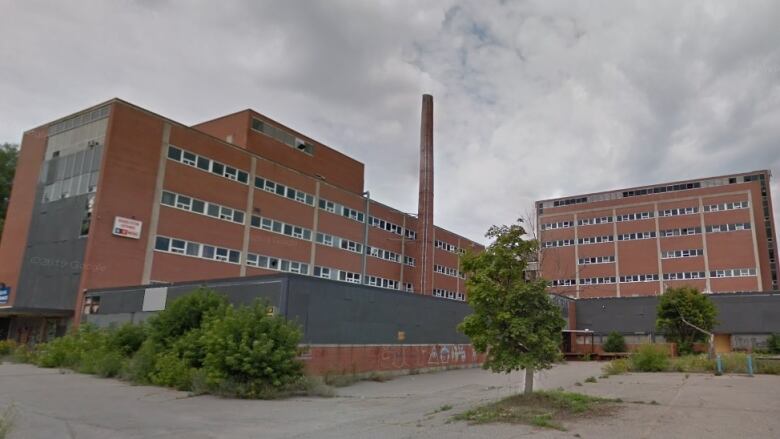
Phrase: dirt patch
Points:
(548, 409)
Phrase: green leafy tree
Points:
(9, 154)
(514, 321)
(685, 304)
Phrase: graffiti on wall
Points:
(420, 356)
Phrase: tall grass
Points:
(648, 360)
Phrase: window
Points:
(726, 206)
(352, 214)
(375, 281)
(408, 260)
(449, 271)
(86, 221)
(184, 202)
(277, 264)
(283, 136)
(445, 294)
(385, 225)
(595, 239)
(162, 243)
(639, 278)
(325, 239)
(597, 280)
(196, 250)
(684, 275)
(636, 236)
(674, 254)
(728, 227)
(635, 216)
(679, 211)
(352, 246)
(347, 276)
(207, 165)
(408, 287)
(558, 243)
(564, 282)
(681, 232)
(383, 254)
(328, 206)
(734, 272)
(323, 272)
(557, 225)
(591, 221)
(446, 246)
(596, 260)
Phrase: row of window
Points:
(206, 164)
(280, 227)
(446, 246)
(558, 225)
(201, 207)
(197, 250)
(636, 236)
(558, 243)
(449, 271)
(383, 254)
(728, 227)
(278, 264)
(734, 272)
(685, 275)
(726, 206)
(281, 135)
(638, 278)
(596, 260)
(646, 215)
(381, 282)
(685, 231)
(438, 292)
(343, 243)
(204, 251)
(597, 280)
(591, 221)
(595, 239)
(391, 227)
(564, 282)
(675, 254)
(679, 211)
(285, 191)
(635, 216)
(338, 209)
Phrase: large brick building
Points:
(117, 195)
(716, 234)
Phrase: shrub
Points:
(250, 353)
(102, 362)
(24, 354)
(171, 371)
(127, 339)
(773, 344)
(7, 347)
(615, 343)
(185, 314)
(650, 358)
(692, 363)
(617, 366)
(141, 365)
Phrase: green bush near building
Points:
(200, 343)
(615, 343)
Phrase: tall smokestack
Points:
(425, 207)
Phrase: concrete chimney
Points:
(425, 232)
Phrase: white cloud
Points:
(533, 99)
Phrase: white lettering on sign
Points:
(127, 228)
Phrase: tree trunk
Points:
(529, 381)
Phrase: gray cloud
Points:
(533, 99)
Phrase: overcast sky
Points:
(532, 99)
